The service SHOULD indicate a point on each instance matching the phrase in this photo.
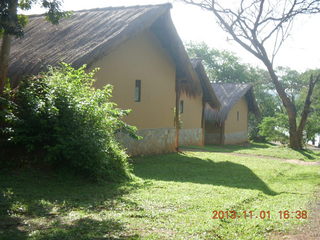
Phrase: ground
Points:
(310, 231)
(172, 196)
(266, 149)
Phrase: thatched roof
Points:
(209, 95)
(229, 94)
(91, 34)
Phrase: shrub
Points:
(275, 128)
(59, 120)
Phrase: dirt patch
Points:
(293, 161)
(300, 162)
(309, 231)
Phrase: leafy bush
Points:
(59, 120)
(275, 128)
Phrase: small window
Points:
(137, 91)
(181, 107)
(238, 116)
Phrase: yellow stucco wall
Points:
(233, 125)
(192, 111)
(141, 58)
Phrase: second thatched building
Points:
(229, 125)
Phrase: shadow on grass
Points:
(86, 229)
(9, 225)
(306, 153)
(183, 168)
(30, 195)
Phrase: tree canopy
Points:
(12, 24)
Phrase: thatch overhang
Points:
(187, 79)
(229, 94)
(209, 95)
(91, 34)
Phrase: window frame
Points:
(181, 106)
(137, 90)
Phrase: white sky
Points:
(301, 50)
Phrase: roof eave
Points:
(221, 115)
(209, 95)
(166, 32)
(252, 103)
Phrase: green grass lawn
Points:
(172, 197)
(265, 149)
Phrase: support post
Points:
(177, 113)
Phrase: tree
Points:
(292, 82)
(12, 23)
(221, 66)
(261, 27)
(275, 127)
(312, 126)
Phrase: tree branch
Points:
(306, 108)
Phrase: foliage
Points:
(275, 128)
(59, 120)
(221, 66)
(312, 126)
(173, 199)
(13, 24)
(296, 85)
(253, 129)
(291, 81)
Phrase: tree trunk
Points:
(177, 115)
(295, 138)
(203, 122)
(4, 60)
(306, 108)
(6, 43)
